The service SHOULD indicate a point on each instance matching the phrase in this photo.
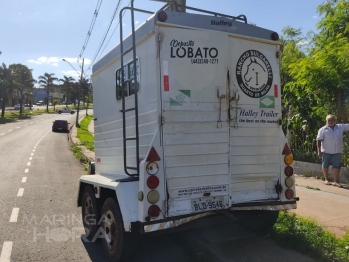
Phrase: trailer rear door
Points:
(194, 66)
(255, 133)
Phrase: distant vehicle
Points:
(65, 110)
(40, 103)
(17, 107)
(60, 125)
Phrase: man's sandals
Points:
(336, 184)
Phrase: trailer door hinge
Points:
(159, 38)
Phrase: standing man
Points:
(330, 147)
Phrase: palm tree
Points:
(47, 82)
(23, 82)
(67, 86)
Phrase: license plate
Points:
(204, 204)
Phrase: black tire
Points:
(119, 245)
(91, 168)
(256, 220)
(89, 210)
(72, 112)
(59, 112)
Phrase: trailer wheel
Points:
(256, 220)
(89, 212)
(117, 243)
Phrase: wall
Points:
(300, 168)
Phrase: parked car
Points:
(17, 107)
(65, 110)
(40, 103)
(60, 125)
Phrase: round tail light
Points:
(154, 211)
(152, 168)
(153, 196)
(288, 171)
(289, 182)
(288, 159)
(289, 194)
(153, 182)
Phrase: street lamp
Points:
(77, 110)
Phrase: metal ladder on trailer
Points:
(131, 170)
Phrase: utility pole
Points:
(77, 111)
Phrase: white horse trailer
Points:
(187, 124)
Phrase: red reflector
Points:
(154, 211)
(289, 194)
(153, 182)
(153, 155)
(166, 83)
(275, 36)
(287, 150)
(288, 171)
(162, 16)
(276, 91)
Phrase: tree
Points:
(47, 82)
(67, 86)
(315, 72)
(23, 82)
(4, 86)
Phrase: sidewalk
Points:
(327, 204)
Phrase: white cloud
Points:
(54, 61)
(71, 73)
(34, 61)
(315, 16)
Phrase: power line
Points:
(111, 36)
(105, 34)
(94, 18)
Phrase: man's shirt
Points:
(332, 139)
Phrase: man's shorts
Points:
(331, 159)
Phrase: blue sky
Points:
(39, 33)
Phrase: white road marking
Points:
(26, 170)
(33, 150)
(2, 134)
(24, 179)
(30, 158)
(10, 130)
(18, 127)
(34, 146)
(20, 192)
(5, 255)
(32, 154)
(14, 215)
(28, 164)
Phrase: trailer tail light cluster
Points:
(289, 181)
(153, 182)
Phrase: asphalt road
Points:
(39, 220)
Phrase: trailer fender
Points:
(122, 191)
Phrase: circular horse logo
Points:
(254, 74)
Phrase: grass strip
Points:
(309, 237)
(85, 137)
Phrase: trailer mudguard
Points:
(125, 193)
